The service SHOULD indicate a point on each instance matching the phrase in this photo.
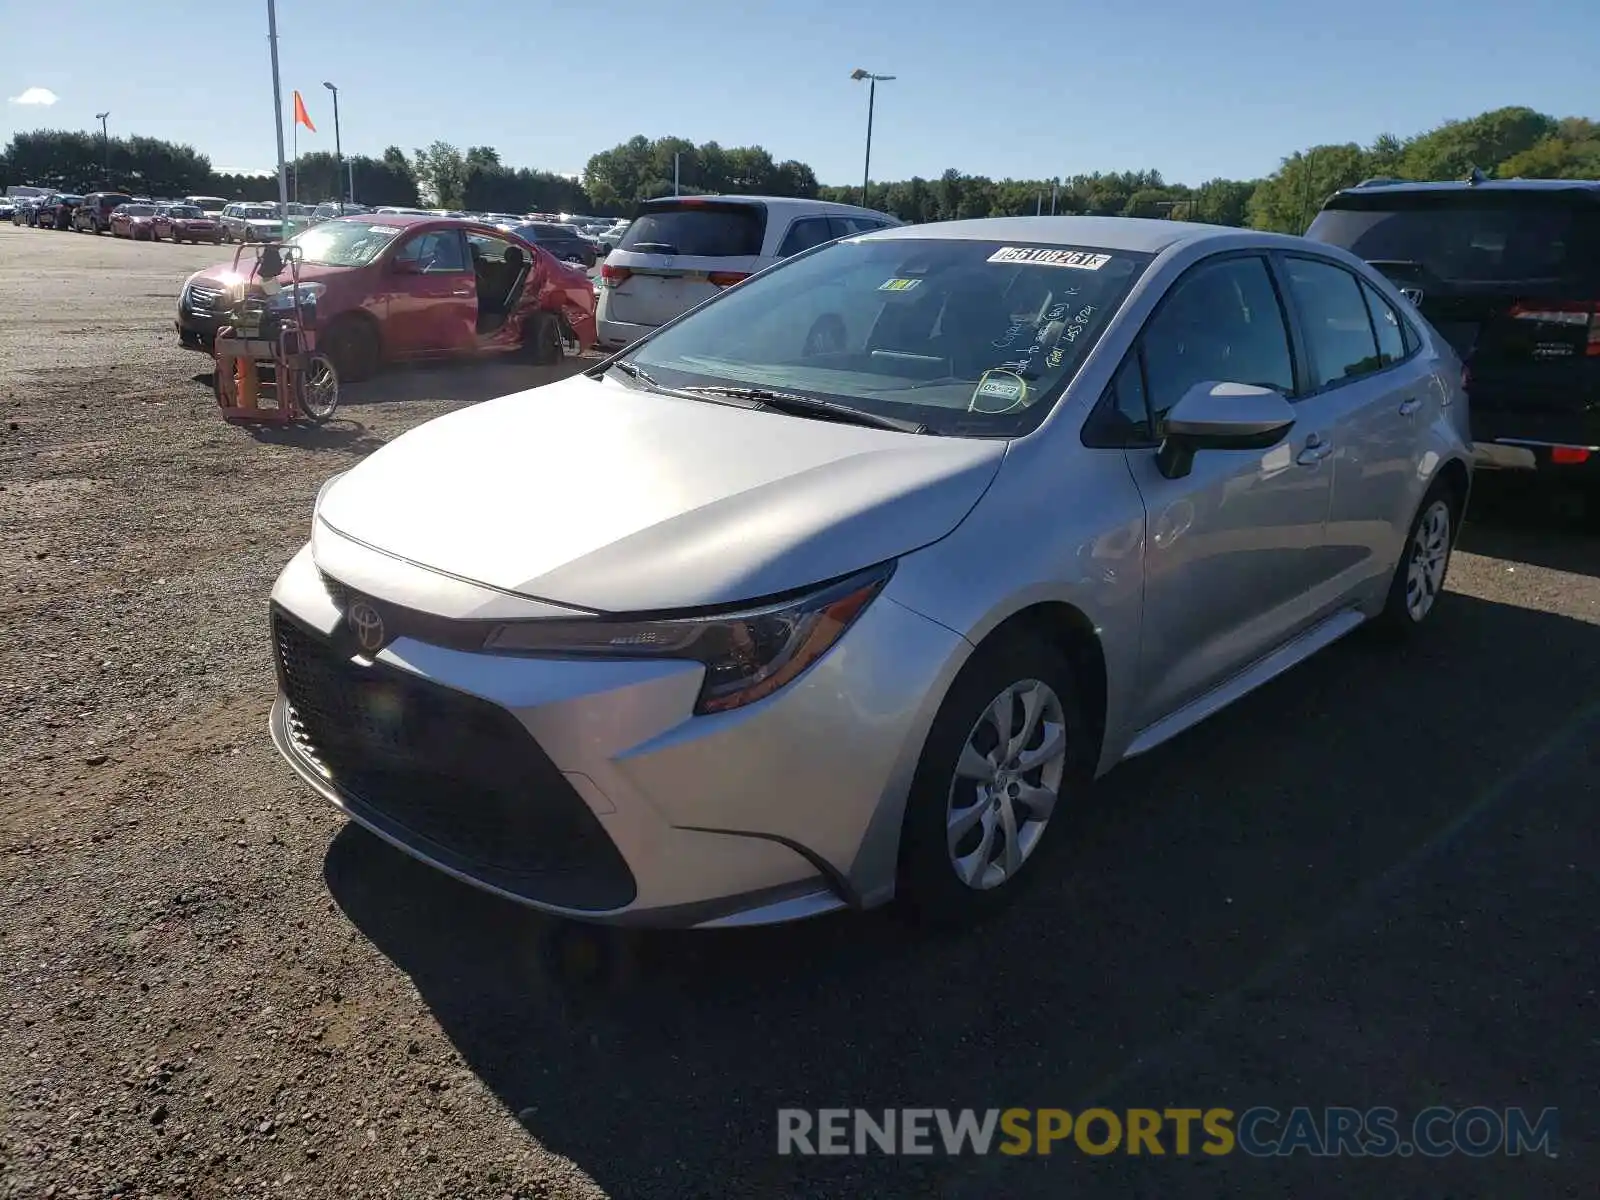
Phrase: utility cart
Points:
(268, 368)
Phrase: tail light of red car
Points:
(1585, 313)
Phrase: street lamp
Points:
(338, 151)
(872, 96)
(105, 145)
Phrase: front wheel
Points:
(1007, 752)
(353, 348)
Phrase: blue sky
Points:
(1030, 89)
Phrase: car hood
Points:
(601, 496)
(224, 274)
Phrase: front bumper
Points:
(589, 789)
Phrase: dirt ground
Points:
(1373, 883)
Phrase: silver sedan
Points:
(847, 584)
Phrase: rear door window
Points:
(1387, 324)
(806, 233)
(844, 226)
(1333, 314)
(703, 230)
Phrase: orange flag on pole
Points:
(301, 117)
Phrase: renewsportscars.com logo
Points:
(1258, 1132)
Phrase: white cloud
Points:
(242, 171)
(35, 95)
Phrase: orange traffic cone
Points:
(246, 383)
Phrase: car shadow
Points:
(1193, 866)
(462, 382)
(1533, 522)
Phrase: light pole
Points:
(338, 150)
(105, 146)
(872, 97)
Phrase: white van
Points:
(682, 250)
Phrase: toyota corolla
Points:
(846, 585)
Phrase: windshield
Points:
(344, 242)
(968, 337)
(1484, 241)
(137, 210)
(185, 210)
(258, 212)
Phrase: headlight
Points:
(747, 655)
(283, 298)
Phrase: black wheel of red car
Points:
(541, 340)
(352, 343)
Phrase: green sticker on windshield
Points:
(899, 285)
(998, 392)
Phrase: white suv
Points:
(682, 250)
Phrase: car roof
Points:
(1380, 186)
(795, 202)
(1137, 235)
(408, 221)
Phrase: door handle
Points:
(1410, 406)
(1316, 450)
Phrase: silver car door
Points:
(1233, 550)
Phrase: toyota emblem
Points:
(367, 625)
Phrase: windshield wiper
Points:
(632, 372)
(796, 405)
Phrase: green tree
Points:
(1484, 141)
(441, 174)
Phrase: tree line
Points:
(1504, 143)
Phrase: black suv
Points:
(55, 211)
(563, 241)
(1508, 271)
(94, 214)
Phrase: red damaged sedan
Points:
(187, 223)
(137, 221)
(395, 287)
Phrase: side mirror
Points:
(1221, 416)
(271, 262)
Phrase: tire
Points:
(541, 341)
(352, 345)
(1419, 576)
(932, 848)
(317, 391)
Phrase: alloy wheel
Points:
(1429, 556)
(1006, 784)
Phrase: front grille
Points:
(202, 299)
(400, 622)
(454, 777)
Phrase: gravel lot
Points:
(1372, 883)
